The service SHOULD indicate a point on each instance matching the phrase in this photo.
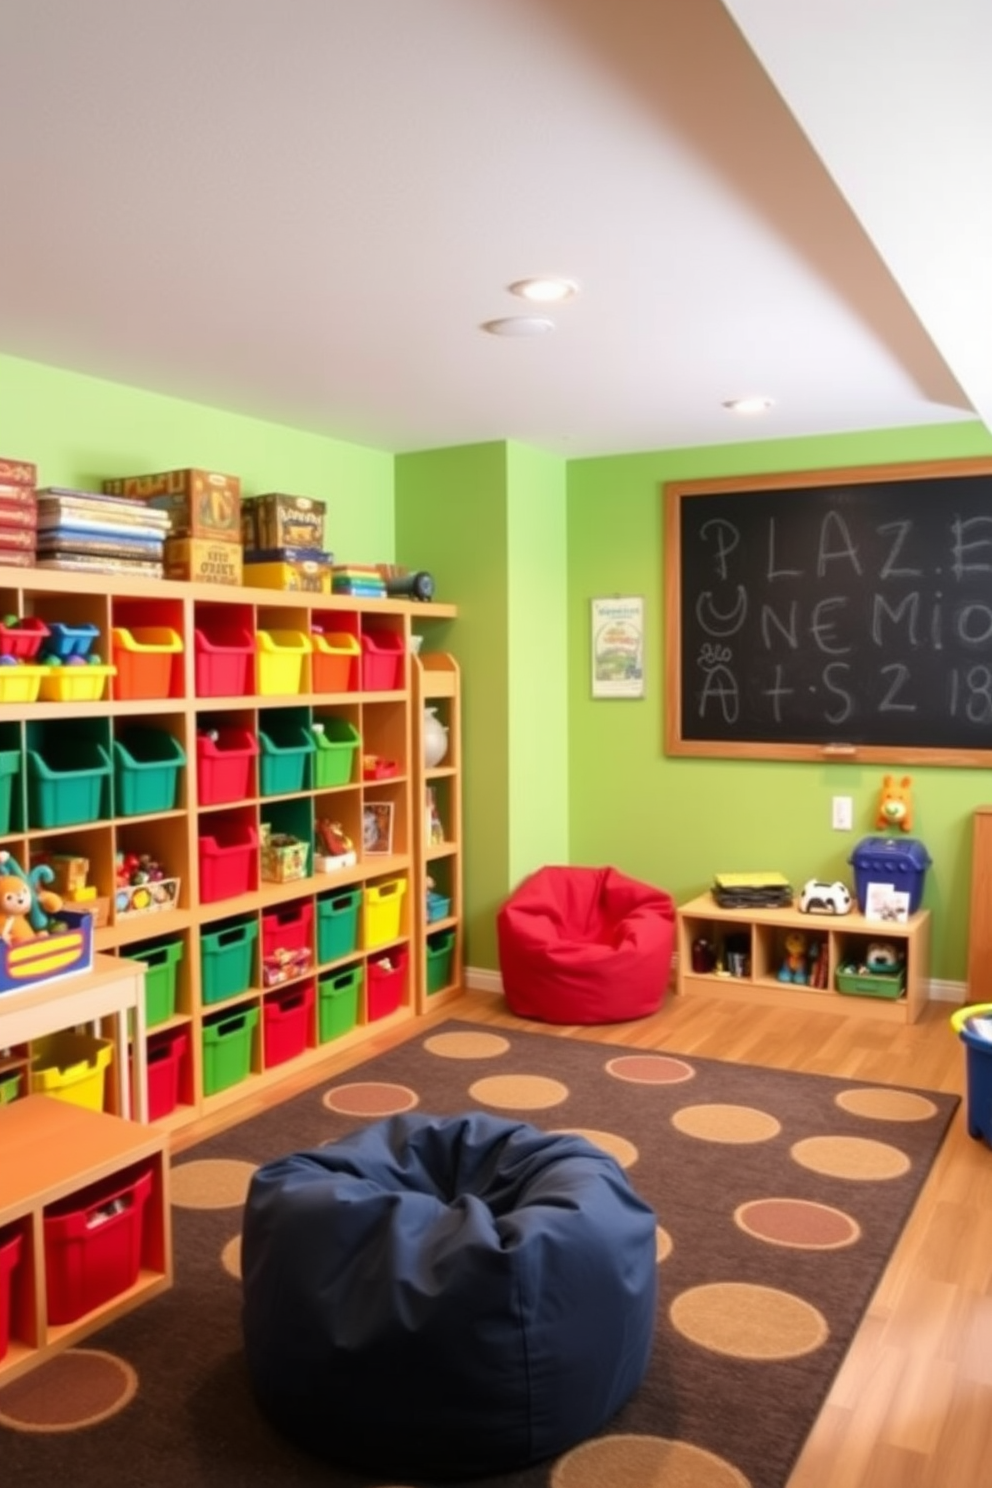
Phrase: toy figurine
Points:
(895, 806)
(17, 900)
(794, 967)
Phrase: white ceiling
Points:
(304, 210)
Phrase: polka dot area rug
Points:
(779, 1198)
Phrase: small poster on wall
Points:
(618, 647)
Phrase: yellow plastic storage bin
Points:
(75, 684)
(383, 910)
(279, 661)
(71, 1067)
(21, 684)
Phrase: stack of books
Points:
(358, 578)
(18, 514)
(752, 891)
(85, 532)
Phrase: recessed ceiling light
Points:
(546, 291)
(749, 405)
(519, 325)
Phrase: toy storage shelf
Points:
(842, 937)
(269, 707)
(54, 1154)
(438, 838)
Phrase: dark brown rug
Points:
(779, 1199)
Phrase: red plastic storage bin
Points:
(286, 1017)
(289, 928)
(385, 979)
(165, 1055)
(382, 662)
(223, 765)
(225, 661)
(228, 862)
(10, 1253)
(93, 1245)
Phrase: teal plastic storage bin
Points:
(337, 1002)
(147, 762)
(283, 760)
(440, 958)
(66, 785)
(225, 959)
(227, 1040)
(336, 743)
(10, 767)
(161, 963)
(337, 924)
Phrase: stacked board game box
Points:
(86, 532)
(18, 513)
(358, 578)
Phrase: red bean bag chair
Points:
(585, 945)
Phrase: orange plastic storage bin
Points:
(145, 658)
(335, 662)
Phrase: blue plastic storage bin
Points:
(899, 861)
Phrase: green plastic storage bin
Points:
(10, 765)
(337, 1002)
(227, 1039)
(440, 956)
(66, 784)
(337, 924)
(161, 962)
(225, 959)
(336, 742)
(147, 762)
(282, 762)
(10, 1086)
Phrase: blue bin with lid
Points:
(899, 861)
(975, 1033)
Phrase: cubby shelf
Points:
(227, 664)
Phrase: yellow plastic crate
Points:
(383, 908)
(71, 1067)
(75, 684)
(279, 661)
(21, 684)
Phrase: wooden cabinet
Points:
(980, 923)
(757, 937)
(439, 918)
(237, 716)
(61, 1162)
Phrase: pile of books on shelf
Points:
(362, 579)
(86, 532)
(18, 514)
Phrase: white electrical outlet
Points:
(842, 816)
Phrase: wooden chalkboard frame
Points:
(866, 480)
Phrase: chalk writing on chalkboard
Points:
(832, 614)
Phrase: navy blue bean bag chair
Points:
(446, 1297)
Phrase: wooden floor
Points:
(912, 1404)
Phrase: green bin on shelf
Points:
(161, 966)
(10, 1086)
(336, 742)
(283, 759)
(337, 1002)
(66, 784)
(225, 959)
(10, 765)
(440, 955)
(147, 762)
(337, 924)
(227, 1041)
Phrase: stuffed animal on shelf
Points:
(895, 806)
(15, 911)
(794, 968)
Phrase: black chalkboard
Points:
(832, 614)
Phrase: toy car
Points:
(825, 898)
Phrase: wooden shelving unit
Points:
(214, 624)
(763, 933)
(438, 835)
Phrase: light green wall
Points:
(676, 822)
(79, 430)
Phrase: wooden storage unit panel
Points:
(760, 936)
(439, 915)
(52, 1153)
(383, 721)
(980, 922)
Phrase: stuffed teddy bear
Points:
(15, 909)
(895, 806)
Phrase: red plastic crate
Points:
(223, 765)
(93, 1245)
(289, 928)
(225, 662)
(385, 980)
(228, 862)
(165, 1055)
(382, 662)
(24, 639)
(10, 1254)
(286, 1022)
